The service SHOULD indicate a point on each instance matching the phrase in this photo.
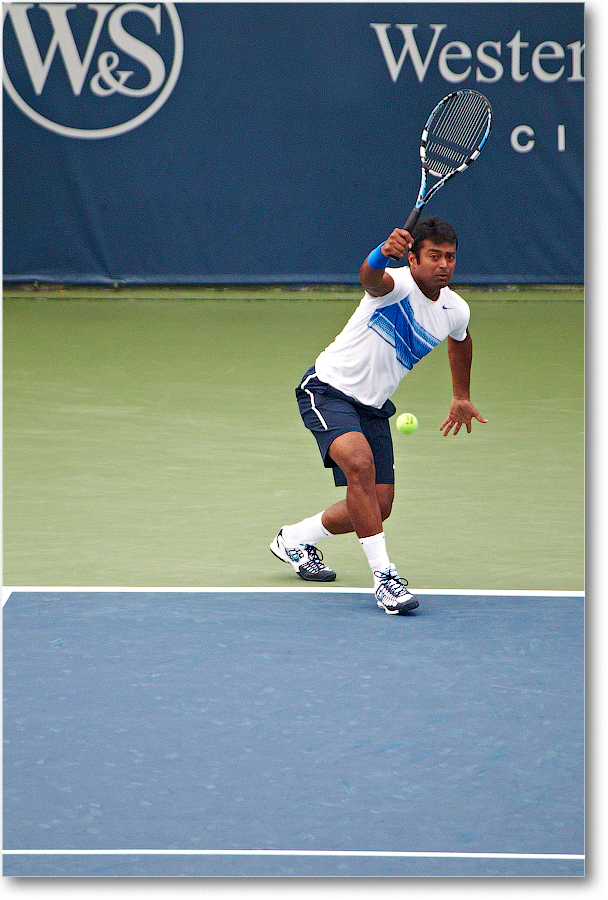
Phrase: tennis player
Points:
(344, 399)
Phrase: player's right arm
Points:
(375, 278)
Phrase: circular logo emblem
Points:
(94, 70)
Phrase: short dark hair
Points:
(432, 229)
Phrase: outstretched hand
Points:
(462, 412)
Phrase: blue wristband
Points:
(376, 260)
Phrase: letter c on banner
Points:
(517, 145)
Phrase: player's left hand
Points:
(462, 412)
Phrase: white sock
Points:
(374, 548)
(308, 531)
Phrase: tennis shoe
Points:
(305, 558)
(392, 594)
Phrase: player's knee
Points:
(360, 469)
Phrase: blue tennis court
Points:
(292, 733)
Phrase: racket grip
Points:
(411, 221)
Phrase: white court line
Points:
(354, 853)
(7, 591)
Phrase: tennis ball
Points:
(406, 423)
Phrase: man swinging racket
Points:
(344, 398)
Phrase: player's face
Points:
(435, 269)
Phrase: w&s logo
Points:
(91, 70)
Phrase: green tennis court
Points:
(151, 438)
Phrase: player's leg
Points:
(367, 504)
(296, 544)
(336, 518)
(326, 416)
(360, 511)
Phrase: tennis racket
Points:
(452, 138)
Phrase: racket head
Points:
(453, 136)
(455, 133)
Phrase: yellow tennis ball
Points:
(406, 423)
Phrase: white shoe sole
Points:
(407, 607)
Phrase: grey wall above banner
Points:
(265, 143)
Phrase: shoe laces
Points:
(390, 582)
(314, 557)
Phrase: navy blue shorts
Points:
(329, 413)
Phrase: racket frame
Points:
(425, 193)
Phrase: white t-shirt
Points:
(386, 336)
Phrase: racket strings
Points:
(454, 135)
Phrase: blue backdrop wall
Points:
(252, 142)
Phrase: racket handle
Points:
(411, 221)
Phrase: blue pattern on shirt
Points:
(397, 325)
